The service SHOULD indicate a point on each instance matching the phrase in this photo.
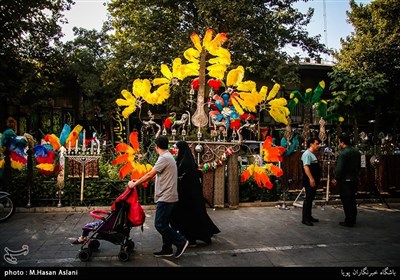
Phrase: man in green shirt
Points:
(346, 176)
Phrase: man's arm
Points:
(146, 177)
(339, 167)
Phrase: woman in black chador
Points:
(189, 215)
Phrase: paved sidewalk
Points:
(266, 237)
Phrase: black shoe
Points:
(181, 249)
(314, 220)
(163, 254)
(307, 223)
(346, 224)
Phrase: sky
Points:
(90, 14)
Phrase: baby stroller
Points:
(115, 226)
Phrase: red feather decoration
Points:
(195, 83)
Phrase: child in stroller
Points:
(87, 228)
(114, 226)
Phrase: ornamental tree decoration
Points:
(208, 55)
(259, 172)
(239, 97)
(129, 157)
(312, 97)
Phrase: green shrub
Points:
(249, 191)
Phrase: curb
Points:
(81, 209)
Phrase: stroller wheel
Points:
(130, 245)
(84, 255)
(94, 244)
(123, 256)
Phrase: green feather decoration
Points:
(322, 109)
(297, 94)
(292, 103)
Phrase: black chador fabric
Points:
(189, 215)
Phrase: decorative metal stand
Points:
(83, 159)
(375, 162)
(29, 176)
(284, 190)
(328, 180)
(300, 203)
(60, 176)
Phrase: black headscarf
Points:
(185, 159)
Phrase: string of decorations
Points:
(204, 167)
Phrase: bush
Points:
(249, 191)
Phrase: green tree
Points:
(365, 79)
(30, 29)
(85, 61)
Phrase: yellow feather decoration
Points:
(278, 102)
(130, 102)
(278, 114)
(216, 67)
(207, 38)
(216, 43)
(247, 86)
(196, 41)
(237, 106)
(176, 68)
(166, 72)
(127, 95)
(235, 76)
(217, 74)
(219, 60)
(224, 54)
(141, 87)
(160, 81)
(192, 55)
(274, 91)
(127, 111)
(263, 92)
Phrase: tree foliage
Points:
(29, 30)
(85, 61)
(366, 77)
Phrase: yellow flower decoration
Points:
(141, 91)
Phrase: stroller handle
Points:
(97, 214)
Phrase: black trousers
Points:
(348, 191)
(308, 201)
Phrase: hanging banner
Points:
(119, 127)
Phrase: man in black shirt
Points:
(346, 176)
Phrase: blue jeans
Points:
(161, 223)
